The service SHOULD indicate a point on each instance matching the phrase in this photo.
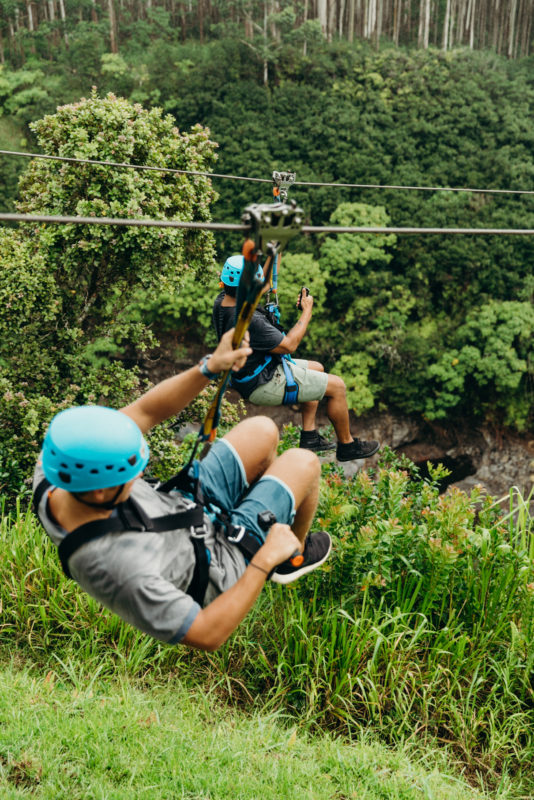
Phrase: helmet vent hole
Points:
(109, 466)
(79, 466)
(132, 460)
(122, 469)
(64, 477)
(94, 472)
(64, 466)
(53, 452)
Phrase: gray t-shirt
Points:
(143, 576)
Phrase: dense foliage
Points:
(420, 625)
(67, 291)
(435, 325)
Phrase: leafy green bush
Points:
(67, 290)
(493, 359)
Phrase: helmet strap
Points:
(108, 505)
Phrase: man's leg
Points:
(348, 448)
(289, 488)
(309, 411)
(255, 441)
(300, 471)
(309, 408)
(337, 409)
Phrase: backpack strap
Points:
(130, 516)
(40, 489)
(291, 394)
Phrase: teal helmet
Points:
(93, 447)
(233, 267)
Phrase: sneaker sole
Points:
(298, 573)
(360, 458)
(318, 449)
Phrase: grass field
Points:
(108, 739)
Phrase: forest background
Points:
(437, 326)
(420, 628)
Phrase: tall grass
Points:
(420, 626)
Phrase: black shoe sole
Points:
(289, 577)
(326, 448)
(360, 457)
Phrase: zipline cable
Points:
(416, 188)
(228, 226)
(266, 180)
(124, 165)
(136, 223)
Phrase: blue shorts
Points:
(223, 481)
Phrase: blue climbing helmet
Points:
(233, 267)
(93, 447)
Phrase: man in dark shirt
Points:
(264, 379)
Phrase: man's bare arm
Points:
(214, 624)
(291, 340)
(172, 395)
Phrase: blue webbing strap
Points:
(259, 368)
(291, 394)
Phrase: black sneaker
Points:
(356, 449)
(316, 550)
(312, 440)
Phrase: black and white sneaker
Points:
(316, 550)
(312, 440)
(356, 449)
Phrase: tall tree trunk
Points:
(275, 30)
(2, 54)
(527, 27)
(321, 13)
(512, 29)
(469, 22)
(249, 30)
(445, 38)
(421, 28)
(331, 19)
(341, 19)
(30, 16)
(266, 44)
(351, 21)
(379, 20)
(63, 18)
(397, 13)
(113, 44)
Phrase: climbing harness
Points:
(130, 517)
(291, 392)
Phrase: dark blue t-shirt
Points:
(264, 337)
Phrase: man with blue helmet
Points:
(270, 372)
(183, 562)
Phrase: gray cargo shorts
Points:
(312, 385)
